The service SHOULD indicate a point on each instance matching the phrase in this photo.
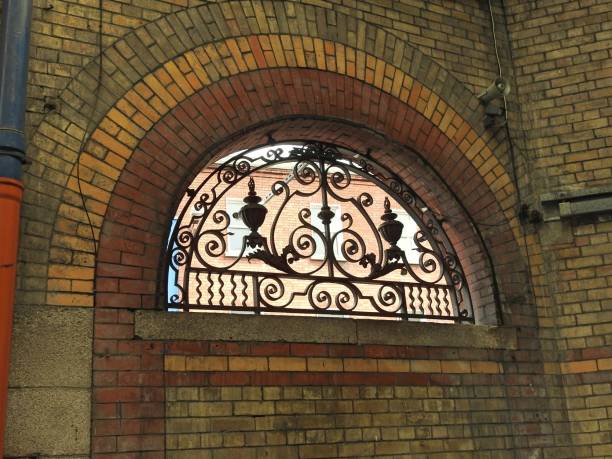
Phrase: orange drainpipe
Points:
(10, 203)
(14, 47)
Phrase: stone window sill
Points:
(162, 325)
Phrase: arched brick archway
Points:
(315, 73)
(184, 140)
(145, 74)
(160, 122)
(124, 127)
(237, 112)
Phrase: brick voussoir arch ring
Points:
(188, 135)
(119, 131)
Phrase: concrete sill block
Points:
(162, 325)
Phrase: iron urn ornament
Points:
(253, 215)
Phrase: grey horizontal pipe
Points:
(14, 51)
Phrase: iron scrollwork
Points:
(301, 253)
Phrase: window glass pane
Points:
(171, 288)
(234, 244)
(406, 242)
(236, 227)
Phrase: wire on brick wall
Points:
(523, 223)
(512, 152)
(88, 126)
(495, 40)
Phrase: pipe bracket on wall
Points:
(577, 203)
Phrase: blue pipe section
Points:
(14, 52)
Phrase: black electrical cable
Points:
(90, 120)
(512, 154)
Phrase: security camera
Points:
(498, 89)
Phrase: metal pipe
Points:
(14, 47)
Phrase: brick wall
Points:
(561, 56)
(306, 399)
(184, 80)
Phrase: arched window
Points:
(311, 228)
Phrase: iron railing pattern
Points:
(359, 271)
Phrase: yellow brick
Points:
(248, 364)
(396, 86)
(91, 191)
(379, 72)
(82, 286)
(125, 122)
(299, 51)
(277, 48)
(142, 106)
(179, 78)
(453, 366)
(99, 166)
(232, 45)
(127, 139)
(193, 80)
(174, 363)
(426, 366)
(72, 242)
(158, 88)
(393, 365)
(200, 363)
(59, 285)
(579, 366)
(340, 59)
(604, 364)
(70, 299)
(323, 364)
(431, 105)
(319, 53)
(287, 364)
(71, 272)
(109, 142)
(485, 367)
(124, 107)
(208, 409)
(175, 91)
(551, 368)
(360, 365)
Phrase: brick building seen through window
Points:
(218, 275)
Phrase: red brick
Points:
(230, 378)
(140, 378)
(103, 427)
(187, 379)
(272, 349)
(114, 331)
(142, 410)
(187, 347)
(117, 362)
(309, 349)
(140, 443)
(345, 350)
(118, 300)
(114, 394)
(104, 444)
(373, 350)
(228, 348)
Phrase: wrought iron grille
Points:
(316, 231)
